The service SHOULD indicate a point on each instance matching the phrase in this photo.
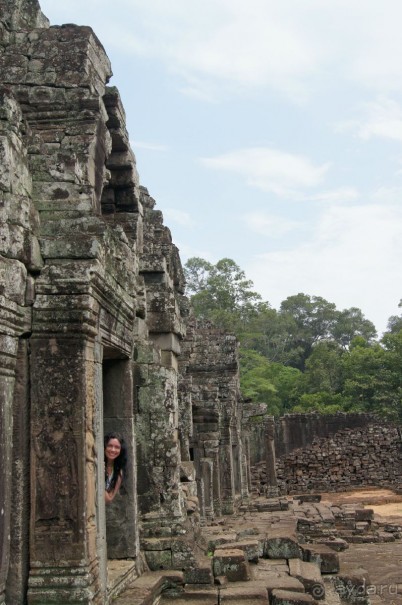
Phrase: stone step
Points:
(146, 589)
(217, 539)
(252, 592)
(120, 574)
(310, 576)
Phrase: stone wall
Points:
(294, 431)
(95, 335)
(351, 458)
(370, 456)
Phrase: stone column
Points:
(206, 467)
(64, 559)
(14, 322)
(8, 351)
(19, 494)
(272, 483)
(226, 470)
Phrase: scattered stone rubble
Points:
(289, 553)
(349, 458)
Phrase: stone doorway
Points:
(122, 542)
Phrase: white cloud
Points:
(352, 259)
(268, 224)
(339, 195)
(285, 46)
(273, 171)
(387, 195)
(384, 119)
(179, 217)
(148, 146)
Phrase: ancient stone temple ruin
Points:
(96, 335)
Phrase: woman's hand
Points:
(109, 496)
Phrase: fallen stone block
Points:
(337, 544)
(158, 559)
(245, 594)
(283, 582)
(309, 575)
(308, 498)
(323, 556)
(253, 549)
(384, 536)
(286, 597)
(232, 564)
(364, 514)
(199, 575)
(284, 547)
(352, 587)
(217, 540)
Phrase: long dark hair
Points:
(120, 463)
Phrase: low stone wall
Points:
(351, 458)
(295, 431)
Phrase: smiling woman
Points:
(115, 464)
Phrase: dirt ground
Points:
(383, 501)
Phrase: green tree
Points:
(220, 292)
(322, 402)
(268, 382)
(395, 322)
(372, 374)
(313, 320)
(350, 323)
(323, 371)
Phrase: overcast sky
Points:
(269, 132)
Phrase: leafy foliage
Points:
(305, 356)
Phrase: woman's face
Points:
(112, 449)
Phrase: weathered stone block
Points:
(232, 564)
(325, 557)
(276, 581)
(309, 575)
(199, 575)
(158, 559)
(287, 597)
(253, 549)
(352, 587)
(282, 548)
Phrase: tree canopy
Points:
(307, 355)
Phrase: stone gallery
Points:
(96, 335)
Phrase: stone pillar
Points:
(248, 460)
(63, 493)
(226, 470)
(216, 483)
(207, 480)
(17, 579)
(272, 483)
(8, 353)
